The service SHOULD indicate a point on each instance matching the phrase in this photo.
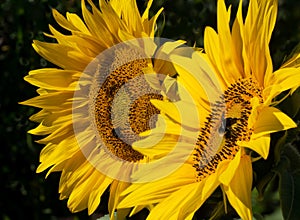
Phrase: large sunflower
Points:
(87, 135)
(233, 85)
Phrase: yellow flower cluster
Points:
(158, 124)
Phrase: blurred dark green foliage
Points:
(25, 194)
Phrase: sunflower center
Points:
(113, 134)
(141, 113)
(225, 126)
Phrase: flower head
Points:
(233, 86)
(87, 136)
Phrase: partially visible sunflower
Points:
(77, 99)
(233, 85)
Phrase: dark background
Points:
(25, 194)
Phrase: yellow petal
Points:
(183, 203)
(227, 63)
(256, 105)
(271, 120)
(131, 16)
(260, 145)
(293, 59)
(76, 21)
(195, 75)
(155, 191)
(212, 48)
(70, 169)
(283, 79)
(43, 130)
(146, 12)
(88, 192)
(197, 83)
(116, 188)
(226, 176)
(63, 56)
(179, 204)
(239, 190)
(97, 25)
(149, 26)
(54, 79)
(88, 45)
(108, 18)
(239, 54)
(56, 153)
(166, 126)
(163, 148)
(62, 21)
(52, 101)
(162, 64)
(259, 24)
(39, 117)
(178, 112)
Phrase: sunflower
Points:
(233, 86)
(87, 130)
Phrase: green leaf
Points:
(288, 170)
(292, 153)
(263, 183)
(289, 190)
